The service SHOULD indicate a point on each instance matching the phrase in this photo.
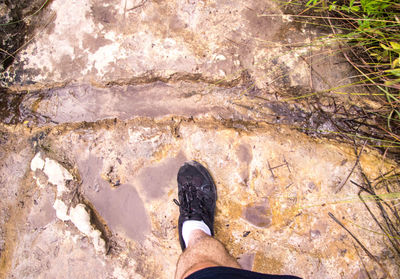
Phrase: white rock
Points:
(81, 219)
(57, 175)
(98, 242)
(61, 210)
(219, 57)
(37, 162)
(78, 215)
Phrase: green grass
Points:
(368, 32)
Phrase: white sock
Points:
(191, 225)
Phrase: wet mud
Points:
(10, 111)
(258, 214)
(121, 207)
(156, 179)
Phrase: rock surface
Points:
(115, 95)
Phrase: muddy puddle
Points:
(156, 100)
(120, 206)
(78, 103)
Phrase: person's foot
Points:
(197, 196)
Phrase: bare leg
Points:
(203, 251)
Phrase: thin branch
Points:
(137, 6)
(352, 170)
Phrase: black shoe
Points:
(197, 196)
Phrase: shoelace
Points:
(189, 196)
